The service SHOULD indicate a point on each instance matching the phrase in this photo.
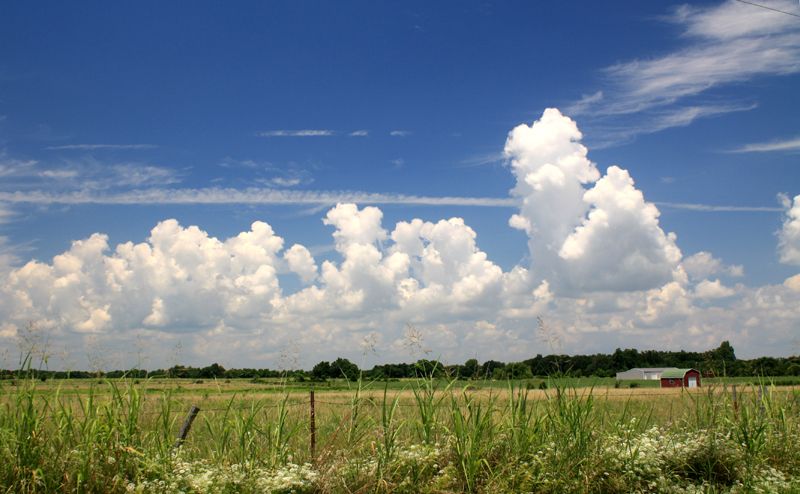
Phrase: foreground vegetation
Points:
(422, 435)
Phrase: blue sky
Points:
(116, 118)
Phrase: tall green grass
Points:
(433, 436)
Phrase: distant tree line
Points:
(720, 361)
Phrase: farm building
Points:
(648, 373)
(678, 378)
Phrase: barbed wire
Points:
(410, 402)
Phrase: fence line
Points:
(357, 401)
(257, 406)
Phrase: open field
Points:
(275, 385)
(419, 435)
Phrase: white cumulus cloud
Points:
(789, 235)
(602, 273)
(620, 244)
(301, 262)
(606, 237)
(703, 264)
(793, 283)
(708, 289)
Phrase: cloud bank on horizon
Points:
(601, 273)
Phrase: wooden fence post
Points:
(735, 404)
(313, 427)
(187, 424)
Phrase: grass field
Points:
(280, 386)
(419, 435)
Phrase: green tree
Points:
(322, 371)
(489, 368)
(213, 370)
(518, 370)
(724, 352)
(343, 367)
(428, 368)
(470, 369)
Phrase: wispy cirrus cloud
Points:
(481, 160)
(59, 174)
(269, 195)
(92, 147)
(730, 42)
(727, 43)
(229, 162)
(138, 175)
(686, 115)
(296, 133)
(5, 216)
(714, 208)
(786, 145)
(657, 121)
(85, 173)
(219, 195)
(586, 102)
(91, 174)
(10, 167)
(270, 174)
(325, 133)
(285, 181)
(10, 254)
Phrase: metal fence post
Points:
(313, 426)
(187, 424)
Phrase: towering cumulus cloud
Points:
(789, 236)
(604, 238)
